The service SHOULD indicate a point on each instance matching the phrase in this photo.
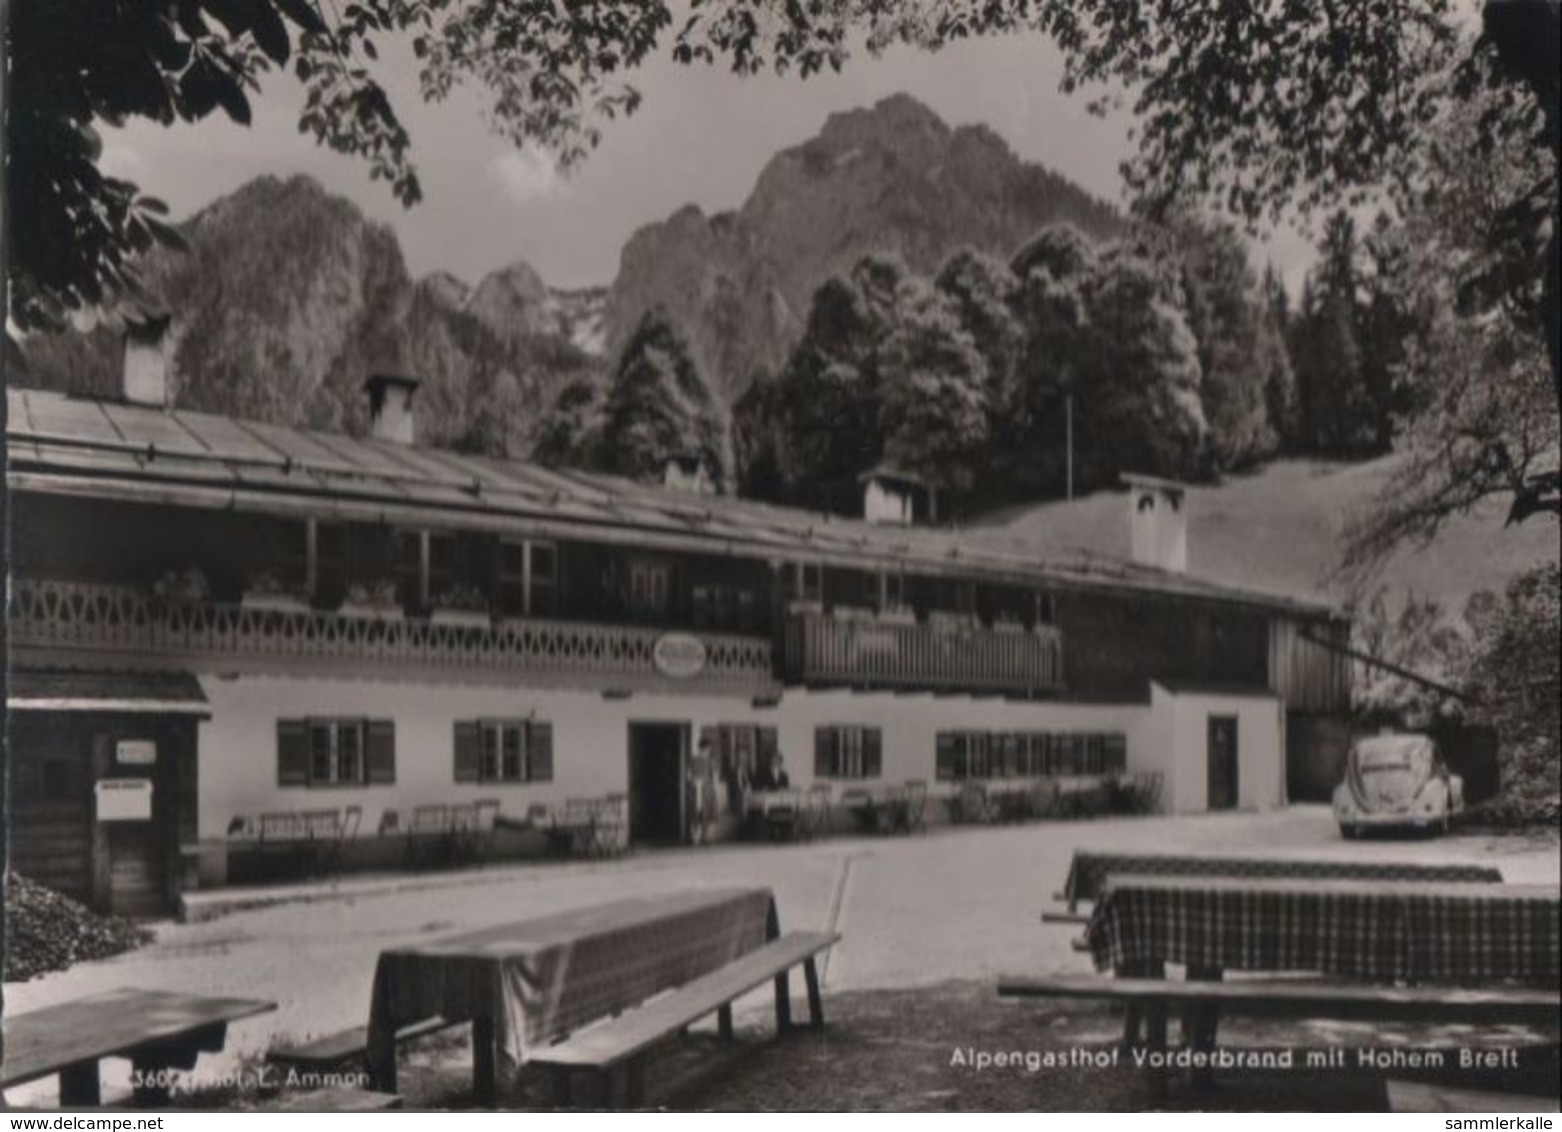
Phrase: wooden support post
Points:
(485, 1083)
(724, 1022)
(79, 1085)
(783, 1003)
(815, 1002)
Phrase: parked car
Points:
(1396, 782)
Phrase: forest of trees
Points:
(1169, 351)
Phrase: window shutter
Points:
(469, 751)
(382, 752)
(872, 752)
(292, 752)
(539, 751)
(945, 760)
(1116, 753)
(824, 752)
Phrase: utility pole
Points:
(1068, 426)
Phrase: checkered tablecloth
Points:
(541, 979)
(1388, 932)
(1089, 871)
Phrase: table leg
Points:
(783, 1002)
(815, 1002)
(485, 1062)
(1201, 1022)
(79, 1085)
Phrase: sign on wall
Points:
(124, 799)
(135, 752)
(678, 655)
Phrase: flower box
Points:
(270, 601)
(461, 618)
(370, 611)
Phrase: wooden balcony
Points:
(875, 654)
(74, 623)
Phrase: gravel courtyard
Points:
(955, 905)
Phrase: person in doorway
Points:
(771, 774)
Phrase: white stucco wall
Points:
(238, 756)
(1176, 735)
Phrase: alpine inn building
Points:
(212, 618)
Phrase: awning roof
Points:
(168, 693)
(102, 449)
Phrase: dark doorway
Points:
(1222, 762)
(656, 760)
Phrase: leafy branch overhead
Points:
(1259, 105)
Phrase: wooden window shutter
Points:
(947, 758)
(292, 752)
(824, 752)
(872, 752)
(539, 751)
(382, 752)
(1116, 753)
(469, 751)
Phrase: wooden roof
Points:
(102, 449)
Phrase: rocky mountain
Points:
(288, 296)
(892, 179)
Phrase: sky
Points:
(701, 135)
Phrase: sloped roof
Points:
(75, 690)
(106, 449)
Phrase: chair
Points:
(817, 816)
(975, 805)
(390, 823)
(916, 803)
(485, 818)
(612, 815)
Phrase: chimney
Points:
(390, 407)
(1158, 522)
(890, 496)
(688, 472)
(147, 346)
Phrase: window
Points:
(1046, 609)
(738, 747)
(330, 566)
(806, 581)
(650, 589)
(510, 578)
(848, 751)
(542, 598)
(290, 556)
(723, 607)
(408, 561)
(444, 564)
(336, 752)
(503, 750)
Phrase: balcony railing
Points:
(821, 650)
(66, 621)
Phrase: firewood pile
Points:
(45, 931)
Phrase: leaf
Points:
(270, 32)
(302, 13)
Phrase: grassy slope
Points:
(1277, 530)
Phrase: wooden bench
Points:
(159, 1031)
(333, 1051)
(601, 1051)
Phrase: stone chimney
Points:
(1158, 522)
(147, 348)
(688, 472)
(390, 407)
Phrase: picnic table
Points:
(524, 985)
(158, 1031)
(1088, 873)
(1382, 931)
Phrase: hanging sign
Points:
(135, 752)
(679, 655)
(124, 799)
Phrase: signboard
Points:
(124, 799)
(678, 655)
(135, 752)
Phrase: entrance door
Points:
(656, 788)
(1222, 762)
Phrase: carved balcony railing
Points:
(64, 621)
(883, 654)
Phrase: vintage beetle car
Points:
(1396, 782)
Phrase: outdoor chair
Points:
(817, 817)
(916, 803)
